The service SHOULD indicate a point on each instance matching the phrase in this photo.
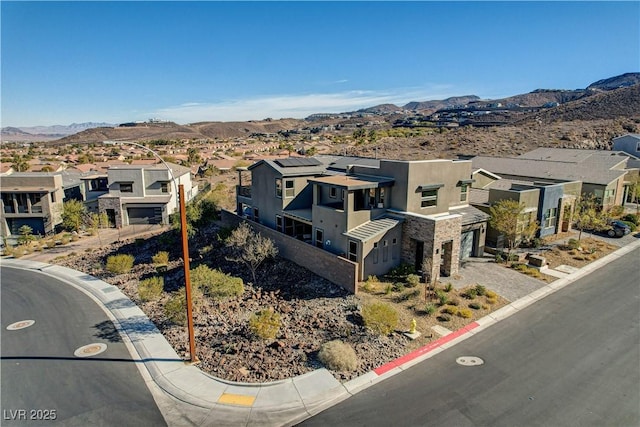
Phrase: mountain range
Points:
(604, 99)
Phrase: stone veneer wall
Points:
(105, 203)
(433, 232)
(336, 269)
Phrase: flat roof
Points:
(354, 182)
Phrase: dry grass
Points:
(590, 250)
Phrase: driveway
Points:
(506, 282)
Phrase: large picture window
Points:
(550, 220)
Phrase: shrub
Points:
(616, 211)
(381, 318)
(444, 317)
(367, 287)
(413, 280)
(265, 324)
(429, 309)
(453, 301)
(470, 293)
(216, 284)
(475, 306)
(442, 297)
(520, 267)
(635, 219)
(388, 289)
(481, 290)
(573, 244)
(338, 356)
(161, 258)
(119, 264)
(448, 287)
(398, 286)
(465, 313)
(151, 288)
(453, 310)
(631, 225)
(402, 271)
(491, 294)
(176, 306)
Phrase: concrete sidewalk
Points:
(188, 396)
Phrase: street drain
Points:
(20, 325)
(90, 350)
(469, 361)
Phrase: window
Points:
(375, 253)
(164, 187)
(126, 187)
(429, 198)
(279, 187)
(394, 250)
(333, 192)
(609, 195)
(319, 238)
(382, 194)
(289, 190)
(278, 222)
(256, 215)
(385, 251)
(550, 217)
(353, 251)
(372, 197)
(464, 191)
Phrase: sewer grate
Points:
(20, 325)
(90, 350)
(469, 361)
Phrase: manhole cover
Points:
(469, 361)
(90, 350)
(20, 325)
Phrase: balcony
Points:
(244, 191)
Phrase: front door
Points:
(111, 216)
(419, 255)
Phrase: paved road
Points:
(39, 369)
(572, 359)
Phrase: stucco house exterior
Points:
(629, 143)
(376, 213)
(139, 194)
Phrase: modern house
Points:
(376, 213)
(139, 194)
(31, 198)
(602, 173)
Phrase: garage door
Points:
(36, 224)
(466, 244)
(144, 215)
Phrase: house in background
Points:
(376, 213)
(629, 143)
(141, 194)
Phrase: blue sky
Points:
(65, 62)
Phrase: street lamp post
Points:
(179, 191)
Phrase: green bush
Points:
(161, 258)
(631, 225)
(475, 306)
(151, 288)
(413, 280)
(444, 317)
(401, 272)
(175, 309)
(465, 313)
(119, 264)
(338, 356)
(429, 309)
(442, 297)
(470, 293)
(635, 219)
(573, 244)
(265, 324)
(448, 287)
(453, 301)
(481, 290)
(216, 284)
(381, 318)
(388, 289)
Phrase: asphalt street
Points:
(571, 359)
(43, 379)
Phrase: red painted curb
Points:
(424, 350)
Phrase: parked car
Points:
(618, 229)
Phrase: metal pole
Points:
(193, 358)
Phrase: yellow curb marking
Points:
(236, 399)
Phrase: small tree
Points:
(73, 215)
(505, 217)
(587, 216)
(250, 247)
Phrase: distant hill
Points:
(46, 133)
(428, 107)
(624, 80)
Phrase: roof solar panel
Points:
(293, 162)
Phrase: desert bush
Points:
(481, 290)
(475, 306)
(367, 287)
(616, 211)
(491, 294)
(381, 318)
(429, 309)
(175, 309)
(402, 271)
(413, 280)
(453, 301)
(573, 244)
(119, 264)
(635, 219)
(444, 317)
(407, 295)
(470, 293)
(216, 284)
(632, 225)
(448, 287)
(338, 356)
(450, 309)
(398, 286)
(442, 297)
(465, 313)
(265, 324)
(151, 288)
(161, 258)
(388, 289)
